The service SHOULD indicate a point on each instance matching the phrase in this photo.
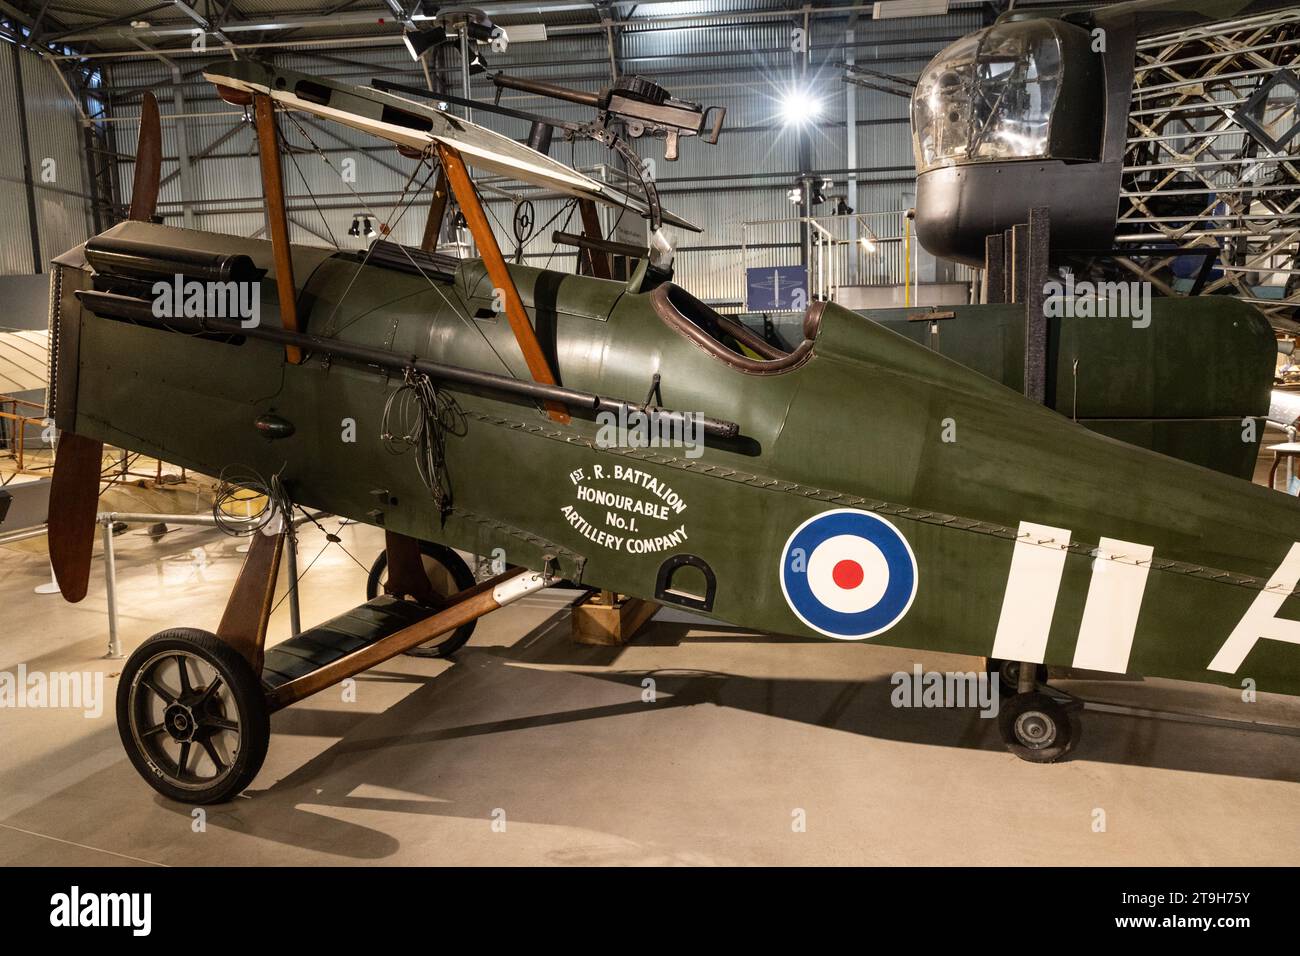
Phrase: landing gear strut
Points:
(194, 708)
(1035, 726)
(447, 574)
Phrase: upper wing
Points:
(415, 125)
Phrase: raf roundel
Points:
(848, 574)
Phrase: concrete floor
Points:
(747, 731)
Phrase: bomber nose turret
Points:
(1021, 102)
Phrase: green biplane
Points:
(619, 435)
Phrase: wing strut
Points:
(437, 209)
(277, 220)
(596, 258)
(495, 263)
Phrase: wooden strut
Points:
(597, 259)
(406, 574)
(248, 609)
(437, 210)
(277, 220)
(499, 274)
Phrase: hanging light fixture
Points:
(419, 42)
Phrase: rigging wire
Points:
(417, 417)
(305, 185)
(457, 311)
(389, 218)
(238, 486)
(573, 207)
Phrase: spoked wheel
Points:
(192, 716)
(1036, 728)
(449, 574)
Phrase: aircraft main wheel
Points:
(449, 574)
(1008, 673)
(192, 716)
(1036, 728)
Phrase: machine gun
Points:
(644, 107)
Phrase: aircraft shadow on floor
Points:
(408, 753)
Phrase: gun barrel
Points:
(127, 308)
(542, 88)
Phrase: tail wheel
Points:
(449, 574)
(192, 716)
(1036, 728)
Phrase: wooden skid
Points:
(339, 637)
(468, 605)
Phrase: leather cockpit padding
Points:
(661, 299)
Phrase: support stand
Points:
(606, 619)
(1035, 725)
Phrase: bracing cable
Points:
(417, 417)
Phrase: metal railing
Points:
(107, 519)
(860, 249)
(14, 425)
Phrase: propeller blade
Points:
(74, 500)
(148, 162)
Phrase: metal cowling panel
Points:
(65, 343)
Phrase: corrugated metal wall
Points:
(58, 159)
(57, 163)
(15, 226)
(744, 66)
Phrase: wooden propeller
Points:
(74, 489)
(148, 162)
(74, 499)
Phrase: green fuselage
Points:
(956, 463)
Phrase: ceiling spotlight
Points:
(868, 245)
(799, 106)
(141, 24)
(362, 226)
(420, 42)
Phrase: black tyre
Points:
(1036, 728)
(449, 574)
(1008, 674)
(192, 716)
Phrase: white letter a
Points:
(1262, 620)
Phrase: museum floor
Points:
(747, 731)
